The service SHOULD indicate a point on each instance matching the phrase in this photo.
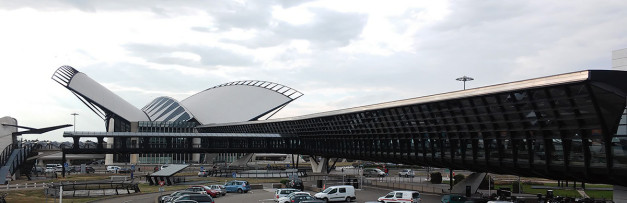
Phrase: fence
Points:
(257, 173)
(22, 186)
(382, 182)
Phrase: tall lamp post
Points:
(464, 79)
(74, 114)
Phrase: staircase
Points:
(13, 159)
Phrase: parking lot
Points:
(266, 195)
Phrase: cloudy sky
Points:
(340, 54)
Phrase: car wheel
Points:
(348, 199)
(325, 199)
(240, 191)
(399, 175)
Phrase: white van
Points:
(54, 167)
(401, 197)
(338, 193)
(113, 169)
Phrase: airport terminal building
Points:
(230, 102)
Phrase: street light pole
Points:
(464, 79)
(451, 176)
(74, 114)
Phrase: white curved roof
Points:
(96, 96)
(238, 101)
(229, 102)
(166, 109)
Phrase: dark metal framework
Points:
(558, 130)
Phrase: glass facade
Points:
(167, 142)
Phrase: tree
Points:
(436, 178)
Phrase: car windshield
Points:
(389, 195)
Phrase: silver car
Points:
(220, 188)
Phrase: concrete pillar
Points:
(134, 158)
(109, 157)
(196, 144)
(6, 132)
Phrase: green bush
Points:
(436, 178)
(284, 181)
(458, 178)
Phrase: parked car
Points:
(283, 192)
(205, 189)
(174, 195)
(113, 169)
(406, 173)
(125, 170)
(38, 169)
(401, 197)
(369, 172)
(453, 199)
(237, 186)
(203, 173)
(337, 193)
(286, 199)
(296, 184)
(220, 188)
(50, 170)
(56, 167)
(77, 169)
(200, 198)
(304, 199)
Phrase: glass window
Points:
(523, 152)
(342, 190)
(576, 156)
(619, 147)
(399, 195)
(538, 149)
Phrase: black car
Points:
(305, 199)
(296, 184)
(77, 169)
(125, 170)
(200, 198)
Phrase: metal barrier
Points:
(94, 188)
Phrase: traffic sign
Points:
(161, 183)
(133, 167)
(234, 175)
(161, 189)
(66, 165)
(202, 168)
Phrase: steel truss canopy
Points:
(559, 127)
(229, 102)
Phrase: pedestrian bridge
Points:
(569, 127)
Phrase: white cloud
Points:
(340, 54)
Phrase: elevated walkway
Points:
(14, 159)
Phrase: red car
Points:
(202, 188)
